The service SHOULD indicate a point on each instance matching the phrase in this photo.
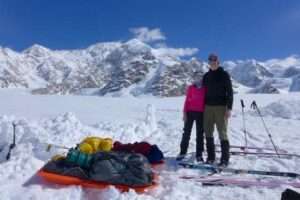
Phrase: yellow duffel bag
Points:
(106, 144)
(86, 148)
(94, 144)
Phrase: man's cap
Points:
(213, 57)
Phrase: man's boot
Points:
(224, 153)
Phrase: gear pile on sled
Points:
(98, 163)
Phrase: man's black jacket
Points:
(219, 88)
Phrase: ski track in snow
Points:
(130, 120)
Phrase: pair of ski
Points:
(260, 151)
(254, 149)
(265, 154)
(241, 182)
(217, 169)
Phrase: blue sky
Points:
(235, 29)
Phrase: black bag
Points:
(289, 194)
(121, 168)
(155, 155)
(66, 168)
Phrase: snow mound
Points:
(283, 109)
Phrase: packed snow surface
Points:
(66, 120)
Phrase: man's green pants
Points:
(215, 115)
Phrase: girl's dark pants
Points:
(188, 125)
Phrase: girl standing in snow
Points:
(193, 111)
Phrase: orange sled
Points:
(68, 180)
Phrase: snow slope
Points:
(65, 120)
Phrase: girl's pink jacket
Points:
(194, 100)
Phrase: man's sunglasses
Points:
(212, 60)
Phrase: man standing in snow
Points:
(218, 105)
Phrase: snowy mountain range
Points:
(133, 68)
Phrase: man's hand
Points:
(227, 114)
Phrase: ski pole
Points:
(244, 125)
(255, 107)
(13, 144)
